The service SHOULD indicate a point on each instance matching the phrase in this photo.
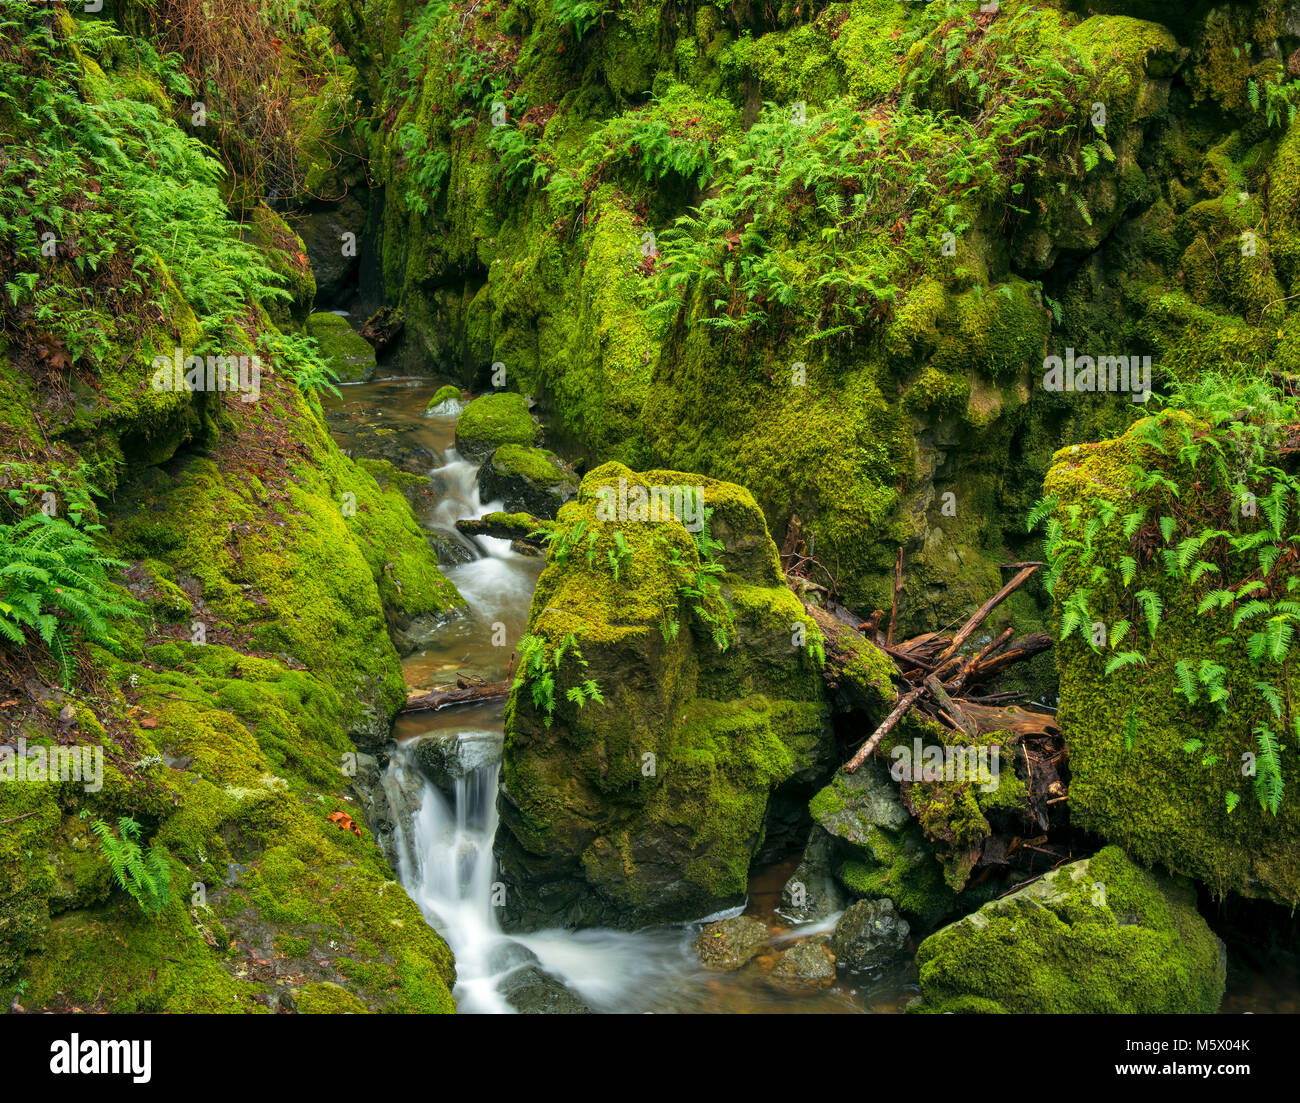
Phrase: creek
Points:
(444, 844)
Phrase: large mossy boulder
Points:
(1171, 777)
(1099, 936)
(528, 480)
(350, 354)
(492, 420)
(650, 723)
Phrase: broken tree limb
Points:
(864, 752)
(1020, 721)
(441, 699)
(981, 614)
(845, 650)
(954, 711)
(503, 529)
(1019, 651)
(970, 664)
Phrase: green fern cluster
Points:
(146, 875)
(829, 217)
(539, 666)
(581, 15)
(112, 185)
(301, 359)
(1214, 515)
(54, 584)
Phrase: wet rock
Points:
(806, 967)
(528, 988)
(812, 892)
(449, 550)
(350, 354)
(730, 943)
(493, 420)
(528, 480)
(869, 933)
(386, 800)
(1098, 936)
(651, 806)
(446, 402)
(879, 850)
(447, 759)
(323, 233)
(417, 633)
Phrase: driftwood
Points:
(1017, 652)
(502, 531)
(470, 695)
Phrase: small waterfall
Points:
(442, 781)
(450, 874)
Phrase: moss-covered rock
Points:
(531, 480)
(492, 420)
(1099, 936)
(446, 401)
(879, 850)
(648, 805)
(350, 354)
(1157, 778)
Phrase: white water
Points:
(447, 864)
(445, 854)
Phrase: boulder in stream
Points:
(530, 989)
(670, 688)
(870, 933)
(730, 943)
(448, 757)
(812, 892)
(492, 420)
(350, 354)
(806, 967)
(531, 480)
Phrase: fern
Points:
(1269, 785)
(146, 875)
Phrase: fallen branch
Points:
(864, 752)
(440, 699)
(1019, 651)
(981, 614)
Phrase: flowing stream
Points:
(445, 844)
(445, 848)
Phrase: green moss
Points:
(492, 420)
(329, 999)
(1101, 936)
(651, 805)
(350, 354)
(533, 464)
(449, 393)
(1132, 778)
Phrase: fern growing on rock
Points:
(146, 875)
(54, 586)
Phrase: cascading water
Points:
(444, 831)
